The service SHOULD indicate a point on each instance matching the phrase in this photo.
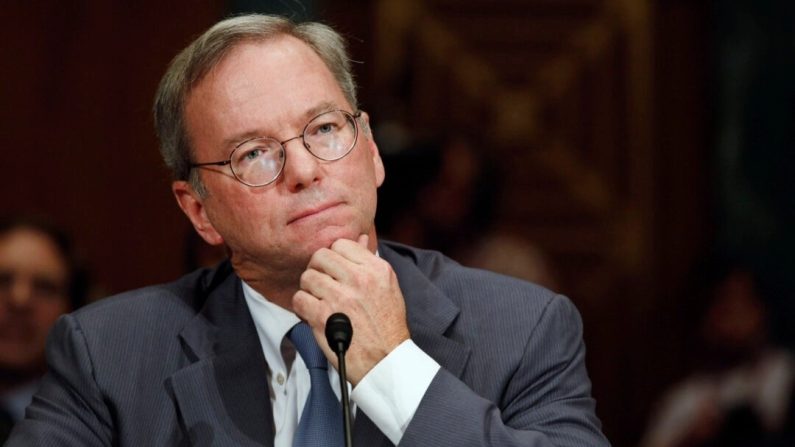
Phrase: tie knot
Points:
(304, 341)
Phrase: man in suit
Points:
(258, 120)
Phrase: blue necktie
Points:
(321, 420)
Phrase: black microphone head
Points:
(339, 332)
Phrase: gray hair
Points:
(191, 65)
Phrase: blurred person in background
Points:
(39, 281)
(443, 196)
(740, 390)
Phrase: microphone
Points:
(339, 333)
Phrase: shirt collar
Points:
(271, 320)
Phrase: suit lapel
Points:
(223, 395)
(430, 313)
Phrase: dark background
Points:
(632, 139)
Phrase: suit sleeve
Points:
(547, 401)
(68, 409)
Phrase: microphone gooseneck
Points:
(339, 333)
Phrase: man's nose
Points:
(301, 168)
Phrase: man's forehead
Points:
(281, 47)
(276, 81)
(284, 58)
(237, 57)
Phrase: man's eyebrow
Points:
(322, 107)
(237, 140)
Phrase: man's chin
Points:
(293, 253)
(328, 236)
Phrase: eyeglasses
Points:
(259, 161)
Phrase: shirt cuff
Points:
(390, 393)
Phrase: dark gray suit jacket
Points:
(181, 364)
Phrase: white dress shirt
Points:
(389, 394)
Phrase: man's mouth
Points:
(312, 211)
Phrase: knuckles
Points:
(299, 300)
(318, 256)
(383, 269)
(338, 243)
(306, 277)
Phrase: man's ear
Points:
(192, 205)
(378, 164)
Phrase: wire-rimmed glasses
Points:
(259, 161)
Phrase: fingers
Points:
(309, 308)
(347, 277)
(320, 285)
(353, 251)
(340, 260)
(328, 280)
(331, 263)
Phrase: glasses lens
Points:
(258, 162)
(331, 136)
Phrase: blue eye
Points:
(253, 154)
(326, 128)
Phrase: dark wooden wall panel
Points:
(78, 146)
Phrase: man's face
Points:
(273, 89)
(33, 278)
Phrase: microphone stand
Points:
(346, 405)
(339, 333)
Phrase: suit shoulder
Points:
(499, 317)
(161, 305)
(464, 282)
